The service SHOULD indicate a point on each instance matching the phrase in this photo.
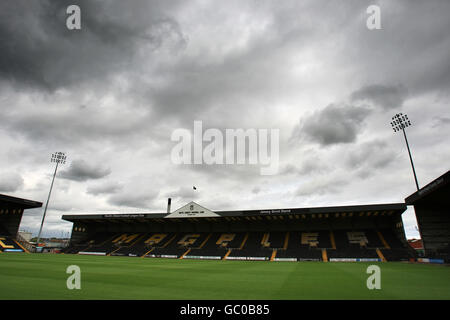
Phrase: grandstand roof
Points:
(22, 203)
(435, 192)
(193, 211)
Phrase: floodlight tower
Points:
(400, 122)
(58, 157)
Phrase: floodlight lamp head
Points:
(59, 157)
(400, 121)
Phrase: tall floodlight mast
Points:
(59, 158)
(400, 122)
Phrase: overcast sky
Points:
(111, 94)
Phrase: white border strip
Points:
(93, 253)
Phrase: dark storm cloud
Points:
(81, 170)
(241, 80)
(10, 182)
(332, 125)
(387, 97)
(410, 49)
(38, 50)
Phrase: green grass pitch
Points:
(43, 276)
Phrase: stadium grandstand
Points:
(431, 205)
(344, 233)
(11, 211)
